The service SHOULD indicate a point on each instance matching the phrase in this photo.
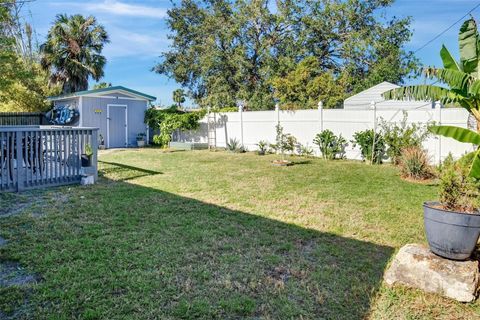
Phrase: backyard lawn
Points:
(200, 234)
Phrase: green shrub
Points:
(459, 191)
(169, 120)
(304, 151)
(235, 146)
(262, 147)
(414, 164)
(365, 140)
(401, 136)
(330, 145)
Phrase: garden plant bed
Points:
(219, 235)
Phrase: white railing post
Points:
(438, 119)
(240, 111)
(320, 115)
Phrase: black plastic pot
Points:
(86, 162)
(451, 234)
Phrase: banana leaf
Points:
(449, 61)
(457, 133)
(475, 167)
(468, 40)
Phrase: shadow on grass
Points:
(130, 250)
(124, 172)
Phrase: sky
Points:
(138, 34)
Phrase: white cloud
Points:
(119, 8)
(126, 43)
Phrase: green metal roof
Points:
(103, 90)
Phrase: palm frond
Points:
(454, 78)
(423, 93)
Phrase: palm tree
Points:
(179, 97)
(462, 80)
(72, 52)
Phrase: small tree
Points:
(284, 141)
(179, 97)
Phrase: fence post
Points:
(19, 159)
(373, 106)
(240, 111)
(438, 119)
(320, 114)
(277, 114)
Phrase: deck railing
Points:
(42, 156)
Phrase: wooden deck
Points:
(36, 156)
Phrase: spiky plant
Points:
(462, 80)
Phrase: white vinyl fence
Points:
(249, 127)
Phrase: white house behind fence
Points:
(363, 99)
(252, 126)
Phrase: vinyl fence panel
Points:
(305, 124)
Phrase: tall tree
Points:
(72, 52)
(225, 50)
(179, 97)
(23, 84)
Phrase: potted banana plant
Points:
(452, 225)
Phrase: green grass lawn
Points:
(188, 235)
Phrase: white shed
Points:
(118, 112)
(363, 99)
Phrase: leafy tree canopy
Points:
(23, 84)
(101, 85)
(224, 51)
(306, 85)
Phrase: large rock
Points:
(416, 266)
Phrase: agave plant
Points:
(463, 81)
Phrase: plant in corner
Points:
(452, 225)
(284, 142)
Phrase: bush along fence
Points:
(252, 127)
(37, 157)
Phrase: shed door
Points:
(117, 126)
